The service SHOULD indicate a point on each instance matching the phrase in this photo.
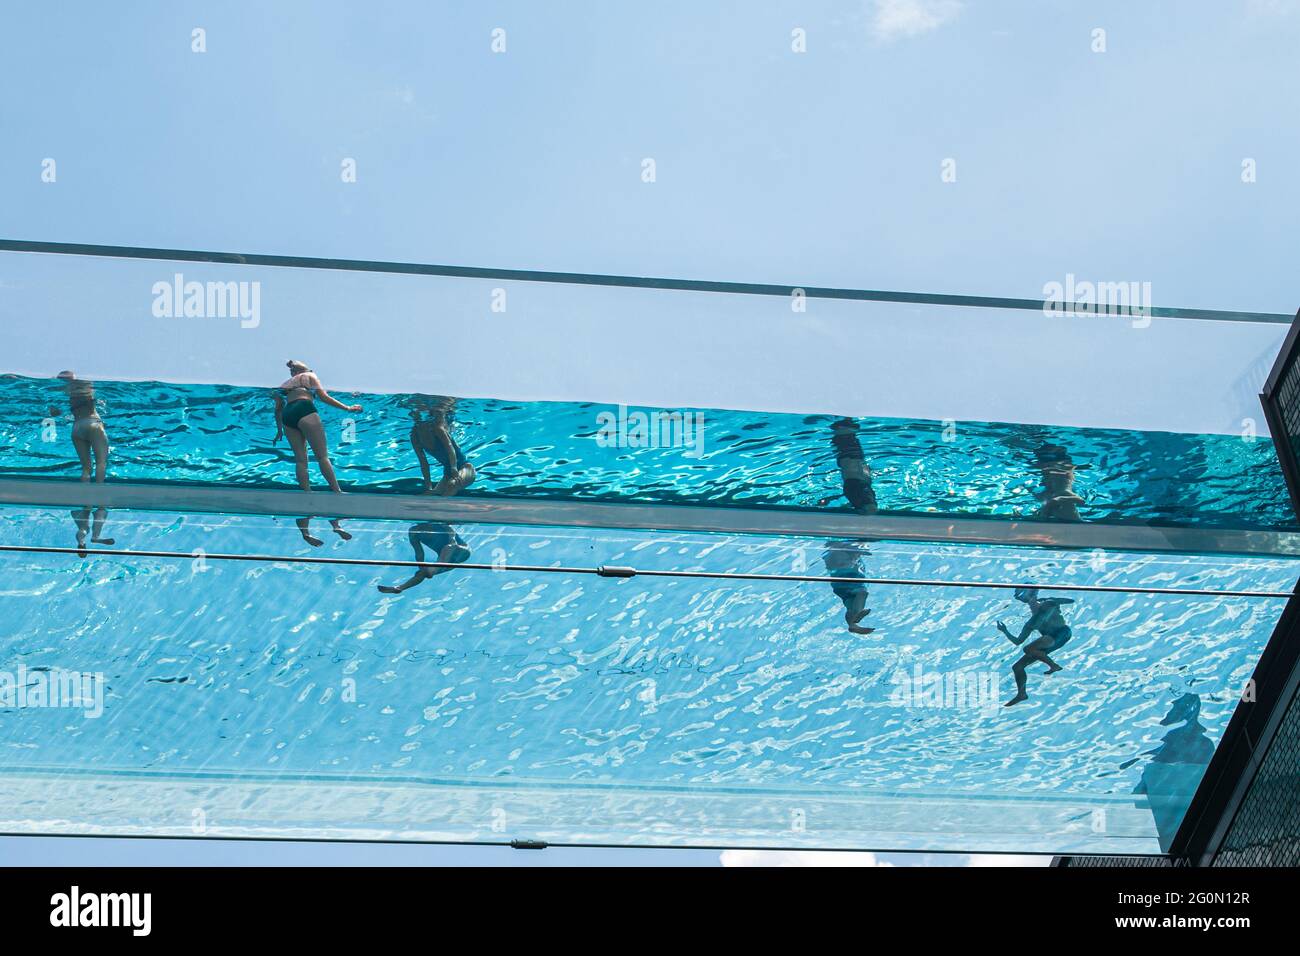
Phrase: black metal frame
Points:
(1286, 452)
(1245, 743)
(1276, 679)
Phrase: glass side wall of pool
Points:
(222, 435)
(274, 698)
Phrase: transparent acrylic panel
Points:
(551, 390)
(288, 699)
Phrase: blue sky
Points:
(815, 168)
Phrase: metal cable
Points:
(616, 571)
(635, 282)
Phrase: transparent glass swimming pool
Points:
(222, 435)
(647, 642)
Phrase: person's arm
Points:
(1024, 631)
(449, 450)
(279, 418)
(424, 459)
(329, 399)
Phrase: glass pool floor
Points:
(519, 695)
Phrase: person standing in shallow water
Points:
(90, 439)
(1046, 618)
(1059, 500)
(855, 473)
(432, 437)
(296, 417)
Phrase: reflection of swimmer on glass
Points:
(442, 541)
(432, 436)
(1044, 617)
(855, 473)
(1060, 503)
(843, 559)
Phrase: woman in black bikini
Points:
(296, 417)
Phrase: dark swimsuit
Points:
(436, 449)
(297, 410)
(860, 493)
(435, 536)
(848, 590)
(1059, 637)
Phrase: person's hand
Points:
(1003, 628)
(354, 408)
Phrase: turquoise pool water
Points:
(223, 435)
(296, 699)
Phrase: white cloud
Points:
(798, 858)
(908, 18)
(1271, 8)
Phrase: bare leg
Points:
(83, 452)
(99, 442)
(299, 445)
(456, 481)
(97, 528)
(311, 427)
(81, 518)
(304, 528)
(856, 610)
(1038, 654)
(1018, 671)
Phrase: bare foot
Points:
(389, 589)
(1015, 700)
(312, 540)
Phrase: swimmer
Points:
(432, 436)
(1046, 618)
(88, 435)
(843, 559)
(90, 439)
(296, 416)
(855, 473)
(1060, 503)
(445, 544)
